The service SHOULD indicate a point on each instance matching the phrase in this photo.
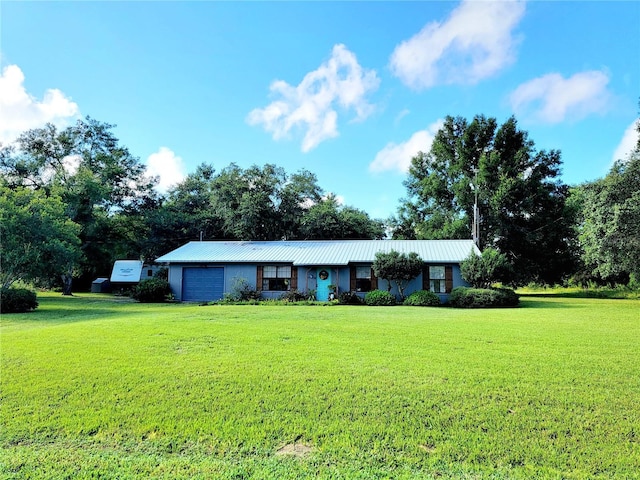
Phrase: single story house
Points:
(205, 271)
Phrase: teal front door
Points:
(323, 280)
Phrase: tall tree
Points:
(327, 219)
(97, 179)
(610, 229)
(263, 203)
(38, 242)
(187, 213)
(520, 197)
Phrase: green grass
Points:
(95, 387)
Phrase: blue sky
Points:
(347, 90)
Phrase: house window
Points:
(363, 279)
(437, 282)
(277, 278)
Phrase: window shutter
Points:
(259, 278)
(352, 279)
(425, 278)
(448, 278)
(374, 281)
(294, 278)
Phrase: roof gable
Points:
(317, 252)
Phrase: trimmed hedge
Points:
(379, 298)
(17, 300)
(151, 290)
(463, 297)
(422, 298)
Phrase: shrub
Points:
(422, 298)
(293, 296)
(463, 297)
(379, 298)
(398, 268)
(241, 291)
(489, 268)
(350, 298)
(17, 300)
(162, 273)
(151, 290)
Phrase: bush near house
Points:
(350, 298)
(294, 296)
(463, 297)
(152, 290)
(241, 291)
(379, 298)
(17, 300)
(422, 298)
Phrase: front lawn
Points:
(99, 387)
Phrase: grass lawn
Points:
(95, 387)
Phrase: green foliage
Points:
(294, 296)
(611, 222)
(95, 386)
(17, 300)
(379, 298)
(151, 290)
(162, 273)
(241, 291)
(255, 203)
(463, 297)
(422, 298)
(39, 243)
(397, 268)
(327, 219)
(103, 188)
(592, 290)
(482, 271)
(520, 196)
(350, 298)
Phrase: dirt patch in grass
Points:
(298, 450)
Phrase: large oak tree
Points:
(520, 196)
(97, 179)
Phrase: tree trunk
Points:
(67, 280)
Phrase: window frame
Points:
(438, 278)
(276, 278)
(363, 282)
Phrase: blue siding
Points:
(211, 282)
(202, 284)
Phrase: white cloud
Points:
(22, 111)
(474, 43)
(398, 156)
(627, 143)
(311, 106)
(166, 165)
(552, 98)
(69, 164)
(401, 115)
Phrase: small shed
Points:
(101, 285)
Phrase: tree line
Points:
(74, 200)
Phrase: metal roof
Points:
(126, 271)
(317, 252)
